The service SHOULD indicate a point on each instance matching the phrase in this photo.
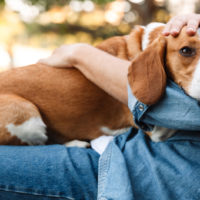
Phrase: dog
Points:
(44, 105)
(154, 58)
(176, 58)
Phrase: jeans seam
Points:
(36, 194)
(181, 140)
(104, 166)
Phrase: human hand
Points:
(174, 26)
(63, 56)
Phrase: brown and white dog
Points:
(41, 104)
(175, 57)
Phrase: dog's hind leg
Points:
(20, 122)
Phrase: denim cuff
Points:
(138, 109)
(138, 112)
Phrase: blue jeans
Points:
(47, 172)
(132, 168)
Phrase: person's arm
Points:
(106, 71)
(110, 74)
(176, 110)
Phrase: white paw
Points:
(77, 143)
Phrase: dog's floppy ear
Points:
(134, 42)
(146, 76)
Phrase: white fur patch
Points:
(108, 131)
(149, 28)
(194, 87)
(77, 143)
(161, 133)
(32, 131)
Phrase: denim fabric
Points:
(48, 172)
(131, 168)
(135, 168)
(176, 110)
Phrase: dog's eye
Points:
(187, 51)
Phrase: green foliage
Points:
(145, 13)
(35, 28)
(65, 28)
(2, 2)
(102, 1)
(49, 3)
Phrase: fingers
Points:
(192, 27)
(46, 61)
(166, 30)
(65, 55)
(51, 60)
(61, 57)
(54, 61)
(175, 25)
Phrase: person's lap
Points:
(134, 167)
(48, 172)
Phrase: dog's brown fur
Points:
(71, 106)
(74, 108)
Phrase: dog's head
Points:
(175, 57)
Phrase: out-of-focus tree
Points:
(49, 3)
(2, 3)
(47, 24)
(97, 18)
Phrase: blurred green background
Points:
(31, 29)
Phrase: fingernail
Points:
(191, 29)
(174, 30)
(165, 32)
(39, 61)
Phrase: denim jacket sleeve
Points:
(176, 110)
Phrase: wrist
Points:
(78, 54)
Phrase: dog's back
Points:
(71, 106)
(37, 97)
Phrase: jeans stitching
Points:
(182, 140)
(36, 194)
(104, 165)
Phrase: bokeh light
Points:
(32, 29)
